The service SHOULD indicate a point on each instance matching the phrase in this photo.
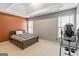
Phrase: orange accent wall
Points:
(10, 23)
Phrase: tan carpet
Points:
(41, 48)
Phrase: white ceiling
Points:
(30, 9)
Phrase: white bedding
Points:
(23, 37)
(17, 38)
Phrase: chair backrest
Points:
(69, 30)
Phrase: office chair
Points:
(69, 36)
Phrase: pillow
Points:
(19, 32)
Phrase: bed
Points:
(23, 40)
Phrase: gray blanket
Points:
(26, 35)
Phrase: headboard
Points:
(14, 32)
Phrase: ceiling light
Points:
(35, 5)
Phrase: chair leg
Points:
(69, 49)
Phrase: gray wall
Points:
(46, 26)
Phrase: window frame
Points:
(61, 26)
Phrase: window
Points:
(30, 26)
(62, 20)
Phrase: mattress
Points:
(23, 37)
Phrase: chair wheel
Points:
(73, 50)
(66, 48)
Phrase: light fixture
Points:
(35, 5)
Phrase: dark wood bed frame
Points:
(23, 44)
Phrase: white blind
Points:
(65, 18)
(30, 26)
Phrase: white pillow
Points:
(19, 32)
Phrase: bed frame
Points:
(23, 44)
